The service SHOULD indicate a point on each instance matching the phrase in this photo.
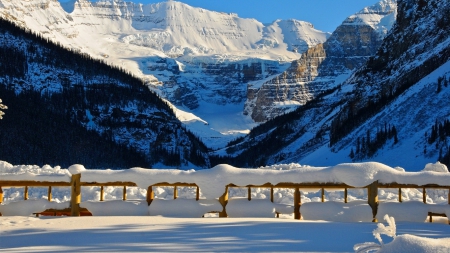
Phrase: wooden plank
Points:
(164, 184)
(395, 185)
(299, 185)
(75, 200)
(131, 184)
(313, 185)
(32, 183)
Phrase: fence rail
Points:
(76, 184)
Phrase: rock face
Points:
(189, 83)
(325, 66)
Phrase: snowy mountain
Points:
(65, 107)
(324, 66)
(394, 109)
(195, 58)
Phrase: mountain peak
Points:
(380, 16)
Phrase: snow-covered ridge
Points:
(172, 27)
(380, 16)
(214, 181)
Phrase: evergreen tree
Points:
(352, 154)
(394, 132)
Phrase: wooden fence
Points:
(76, 184)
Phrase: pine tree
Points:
(352, 154)
(439, 86)
(358, 145)
(394, 132)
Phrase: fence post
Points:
(102, 193)
(25, 193)
(372, 199)
(124, 193)
(49, 193)
(75, 200)
(1, 195)
(249, 193)
(271, 194)
(323, 195)
(224, 201)
(424, 195)
(175, 192)
(297, 204)
(197, 194)
(150, 195)
(400, 195)
(345, 195)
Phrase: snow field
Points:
(229, 234)
(161, 234)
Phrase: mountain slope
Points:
(195, 58)
(324, 66)
(394, 109)
(68, 108)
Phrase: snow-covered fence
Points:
(216, 182)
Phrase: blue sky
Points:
(325, 15)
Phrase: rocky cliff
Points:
(324, 66)
(393, 109)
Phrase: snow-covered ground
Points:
(175, 225)
(159, 234)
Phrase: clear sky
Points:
(325, 15)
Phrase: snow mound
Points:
(33, 172)
(241, 207)
(412, 211)
(354, 211)
(27, 208)
(117, 207)
(437, 167)
(183, 208)
(412, 243)
(76, 169)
